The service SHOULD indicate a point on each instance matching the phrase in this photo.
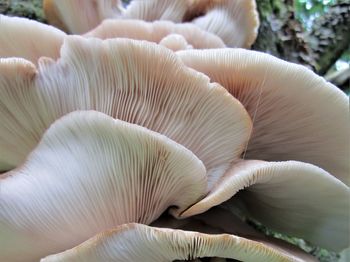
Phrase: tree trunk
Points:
(282, 35)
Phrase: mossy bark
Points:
(282, 35)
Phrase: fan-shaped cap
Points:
(21, 37)
(136, 242)
(138, 82)
(293, 197)
(80, 16)
(151, 10)
(175, 42)
(91, 173)
(235, 22)
(296, 114)
(220, 220)
(155, 32)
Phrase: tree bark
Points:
(282, 35)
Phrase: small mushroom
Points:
(136, 242)
(296, 114)
(88, 174)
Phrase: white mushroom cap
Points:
(21, 37)
(91, 173)
(80, 16)
(175, 42)
(151, 10)
(236, 22)
(138, 82)
(291, 197)
(136, 242)
(220, 220)
(155, 32)
(296, 114)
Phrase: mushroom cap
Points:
(155, 32)
(80, 16)
(136, 242)
(296, 114)
(151, 10)
(20, 37)
(134, 81)
(235, 22)
(296, 198)
(220, 220)
(88, 174)
(175, 42)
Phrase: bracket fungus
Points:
(135, 175)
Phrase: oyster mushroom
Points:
(235, 22)
(136, 242)
(80, 16)
(296, 114)
(296, 198)
(21, 37)
(138, 82)
(155, 32)
(88, 174)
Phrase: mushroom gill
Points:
(135, 81)
(88, 174)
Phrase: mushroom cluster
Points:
(130, 143)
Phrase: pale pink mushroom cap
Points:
(155, 32)
(236, 22)
(292, 197)
(296, 114)
(136, 242)
(21, 37)
(135, 81)
(80, 16)
(88, 174)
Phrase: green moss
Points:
(321, 254)
(25, 8)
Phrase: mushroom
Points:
(80, 16)
(296, 114)
(136, 242)
(138, 82)
(21, 37)
(88, 174)
(235, 22)
(155, 32)
(296, 198)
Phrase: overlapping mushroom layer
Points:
(138, 82)
(234, 21)
(103, 172)
(91, 173)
